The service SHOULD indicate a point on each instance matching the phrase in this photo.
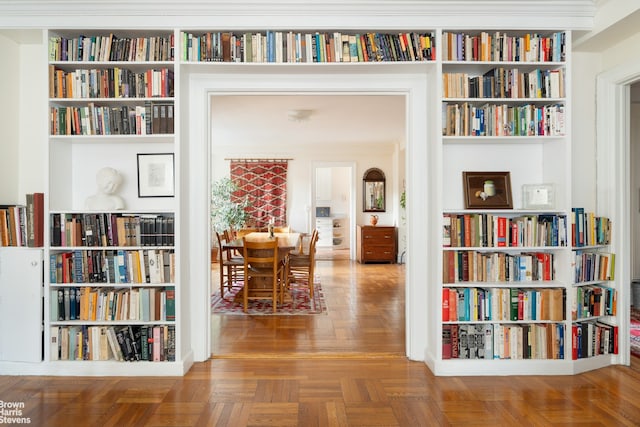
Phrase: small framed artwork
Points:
(487, 190)
(156, 175)
(538, 196)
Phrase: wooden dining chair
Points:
(282, 229)
(230, 266)
(302, 263)
(262, 265)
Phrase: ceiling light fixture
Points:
(299, 115)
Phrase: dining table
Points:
(287, 242)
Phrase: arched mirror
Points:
(373, 191)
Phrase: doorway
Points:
(409, 80)
(333, 187)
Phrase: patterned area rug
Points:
(296, 302)
(635, 332)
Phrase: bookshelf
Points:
(532, 154)
(112, 294)
(594, 296)
(306, 47)
(505, 300)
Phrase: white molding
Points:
(381, 15)
(613, 179)
(410, 80)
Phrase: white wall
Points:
(586, 66)
(300, 169)
(9, 173)
(23, 119)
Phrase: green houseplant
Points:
(225, 213)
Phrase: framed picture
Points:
(156, 175)
(487, 190)
(538, 196)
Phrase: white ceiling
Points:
(242, 120)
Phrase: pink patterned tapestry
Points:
(264, 182)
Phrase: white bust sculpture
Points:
(108, 180)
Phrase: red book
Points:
(454, 342)
(465, 266)
(521, 305)
(453, 304)
(446, 341)
(545, 260)
(514, 233)
(445, 304)
(501, 231)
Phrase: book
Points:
(446, 341)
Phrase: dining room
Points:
(330, 136)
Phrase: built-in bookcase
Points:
(112, 289)
(504, 107)
(594, 295)
(507, 288)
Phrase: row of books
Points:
(495, 341)
(152, 118)
(111, 47)
(467, 119)
(587, 229)
(23, 225)
(110, 304)
(120, 343)
(499, 46)
(278, 47)
(112, 266)
(110, 83)
(593, 338)
(111, 229)
(490, 230)
(474, 266)
(594, 301)
(502, 304)
(505, 83)
(594, 266)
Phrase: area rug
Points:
(634, 332)
(297, 302)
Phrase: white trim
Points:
(409, 80)
(292, 14)
(613, 178)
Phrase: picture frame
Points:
(487, 190)
(156, 176)
(538, 196)
(374, 197)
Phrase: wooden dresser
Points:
(376, 244)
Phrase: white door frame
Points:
(613, 180)
(410, 80)
(352, 198)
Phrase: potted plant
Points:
(225, 213)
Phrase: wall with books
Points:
(546, 163)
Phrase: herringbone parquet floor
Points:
(345, 369)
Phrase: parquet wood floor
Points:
(272, 386)
(365, 316)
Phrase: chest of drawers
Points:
(376, 244)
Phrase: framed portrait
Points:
(156, 175)
(538, 196)
(487, 190)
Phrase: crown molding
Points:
(299, 14)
